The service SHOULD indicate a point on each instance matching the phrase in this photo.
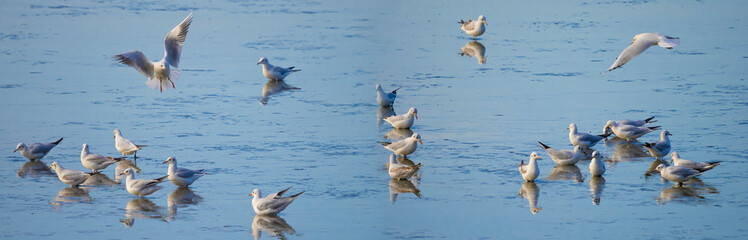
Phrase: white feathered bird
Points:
(273, 203)
(640, 43)
(182, 177)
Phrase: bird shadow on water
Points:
(181, 197)
(691, 193)
(273, 225)
(530, 191)
(141, 208)
(273, 87)
(71, 195)
(34, 168)
(398, 186)
(474, 49)
(565, 172)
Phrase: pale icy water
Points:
(477, 122)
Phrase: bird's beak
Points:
(120, 174)
(15, 150)
(484, 22)
(165, 161)
(419, 140)
(258, 63)
(250, 194)
(416, 114)
(539, 157)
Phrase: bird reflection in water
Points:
(597, 183)
(398, 186)
(123, 165)
(384, 112)
(141, 208)
(181, 197)
(651, 170)
(624, 152)
(565, 172)
(71, 195)
(273, 87)
(397, 134)
(99, 179)
(529, 191)
(34, 168)
(273, 225)
(476, 50)
(405, 161)
(690, 193)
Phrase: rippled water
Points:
(477, 121)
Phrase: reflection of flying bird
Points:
(564, 157)
(474, 28)
(274, 72)
(698, 166)
(272, 203)
(36, 150)
(476, 50)
(661, 148)
(386, 99)
(160, 74)
(640, 43)
(404, 147)
(530, 171)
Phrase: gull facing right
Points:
(404, 147)
(474, 28)
(36, 151)
(159, 74)
(273, 203)
(401, 171)
(141, 187)
(530, 171)
(96, 162)
(403, 121)
(274, 72)
(386, 99)
(661, 148)
(640, 43)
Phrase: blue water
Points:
(477, 121)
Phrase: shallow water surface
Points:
(483, 105)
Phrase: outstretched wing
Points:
(632, 51)
(174, 41)
(137, 60)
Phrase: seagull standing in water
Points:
(530, 171)
(640, 43)
(597, 166)
(403, 121)
(698, 166)
(273, 203)
(564, 157)
(36, 151)
(404, 147)
(474, 28)
(125, 146)
(629, 132)
(677, 173)
(182, 177)
(661, 148)
(160, 74)
(69, 176)
(636, 123)
(585, 140)
(96, 162)
(141, 187)
(274, 72)
(386, 99)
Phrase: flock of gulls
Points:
(164, 73)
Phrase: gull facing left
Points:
(677, 173)
(69, 176)
(36, 151)
(273, 203)
(274, 72)
(125, 146)
(159, 74)
(182, 177)
(585, 140)
(96, 162)
(141, 187)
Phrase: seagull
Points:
(698, 166)
(403, 121)
(474, 49)
(661, 148)
(637, 123)
(182, 177)
(36, 151)
(386, 99)
(273, 203)
(96, 162)
(597, 166)
(274, 72)
(641, 42)
(401, 171)
(125, 146)
(629, 132)
(405, 146)
(141, 187)
(530, 171)
(677, 173)
(564, 157)
(474, 28)
(585, 140)
(69, 176)
(159, 74)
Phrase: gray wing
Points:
(137, 60)
(468, 26)
(98, 158)
(174, 41)
(662, 146)
(396, 145)
(589, 137)
(281, 70)
(144, 183)
(632, 51)
(37, 148)
(563, 154)
(634, 130)
(395, 118)
(683, 171)
(186, 173)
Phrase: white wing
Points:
(667, 41)
(137, 60)
(632, 50)
(174, 41)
